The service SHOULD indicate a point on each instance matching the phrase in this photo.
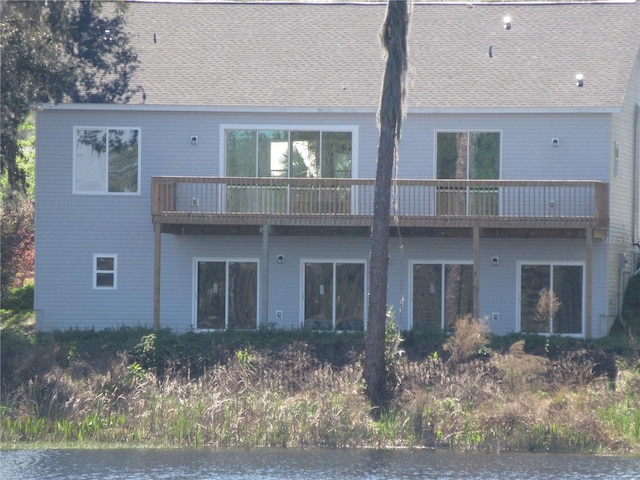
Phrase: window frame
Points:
(195, 285)
(551, 265)
(320, 128)
(334, 262)
(97, 271)
(443, 264)
(468, 131)
(106, 129)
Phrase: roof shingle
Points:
(328, 56)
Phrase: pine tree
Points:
(394, 37)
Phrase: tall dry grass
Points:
(463, 396)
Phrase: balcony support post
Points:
(588, 287)
(264, 278)
(476, 271)
(157, 228)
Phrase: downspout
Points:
(264, 278)
(157, 260)
(635, 220)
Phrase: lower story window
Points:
(551, 298)
(441, 293)
(226, 294)
(104, 271)
(334, 296)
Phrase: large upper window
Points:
(441, 292)
(334, 295)
(106, 160)
(468, 156)
(288, 153)
(226, 294)
(551, 298)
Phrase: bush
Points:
(470, 338)
(19, 299)
(631, 305)
(17, 246)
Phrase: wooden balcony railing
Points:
(349, 202)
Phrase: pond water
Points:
(267, 464)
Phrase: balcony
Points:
(207, 201)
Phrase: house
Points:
(235, 189)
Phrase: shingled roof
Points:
(327, 56)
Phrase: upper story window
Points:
(468, 155)
(288, 153)
(106, 160)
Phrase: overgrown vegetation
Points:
(51, 52)
(16, 247)
(467, 390)
(17, 215)
(629, 320)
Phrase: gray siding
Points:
(624, 228)
(527, 153)
(498, 290)
(72, 228)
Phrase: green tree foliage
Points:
(55, 51)
(630, 314)
(52, 51)
(16, 248)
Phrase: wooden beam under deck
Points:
(364, 231)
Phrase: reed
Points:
(307, 391)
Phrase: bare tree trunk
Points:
(15, 177)
(393, 36)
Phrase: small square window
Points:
(104, 272)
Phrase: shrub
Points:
(631, 305)
(19, 299)
(16, 248)
(470, 338)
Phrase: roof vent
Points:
(506, 21)
(580, 80)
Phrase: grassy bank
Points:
(298, 388)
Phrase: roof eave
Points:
(322, 109)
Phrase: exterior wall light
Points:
(194, 140)
(580, 80)
(506, 21)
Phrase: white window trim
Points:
(519, 263)
(431, 262)
(354, 129)
(194, 289)
(304, 261)
(107, 192)
(96, 271)
(466, 130)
